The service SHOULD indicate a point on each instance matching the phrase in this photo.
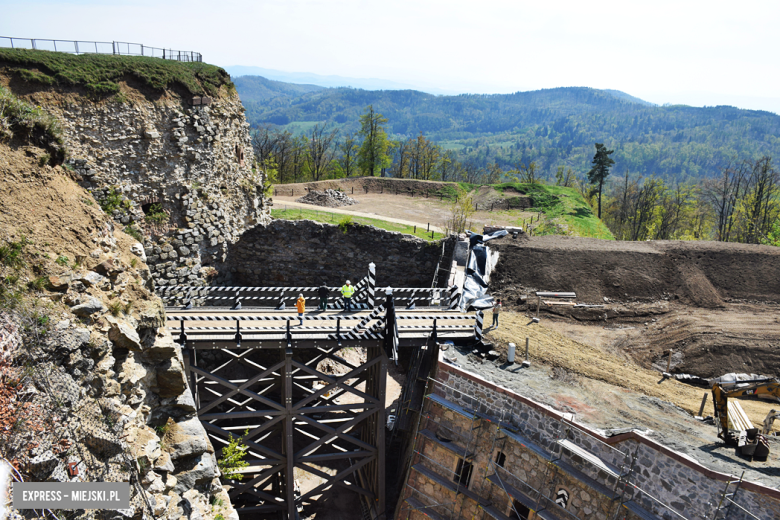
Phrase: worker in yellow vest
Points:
(346, 292)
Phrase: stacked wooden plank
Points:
(738, 419)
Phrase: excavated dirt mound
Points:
(715, 305)
(327, 199)
(703, 274)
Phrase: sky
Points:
(695, 52)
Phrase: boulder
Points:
(42, 465)
(91, 306)
(59, 283)
(109, 267)
(138, 250)
(186, 438)
(164, 462)
(91, 279)
(153, 315)
(201, 470)
(163, 347)
(171, 380)
(101, 441)
(123, 335)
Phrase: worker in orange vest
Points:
(301, 305)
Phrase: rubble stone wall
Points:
(180, 175)
(675, 480)
(307, 253)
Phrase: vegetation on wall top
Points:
(100, 73)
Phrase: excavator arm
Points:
(739, 390)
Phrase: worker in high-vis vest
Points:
(346, 292)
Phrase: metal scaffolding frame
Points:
(728, 500)
(465, 455)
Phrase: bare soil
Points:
(411, 201)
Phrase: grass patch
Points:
(135, 233)
(11, 253)
(30, 122)
(337, 218)
(571, 215)
(100, 73)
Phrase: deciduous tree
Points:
(372, 157)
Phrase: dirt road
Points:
(283, 203)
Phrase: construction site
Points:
(624, 380)
(605, 410)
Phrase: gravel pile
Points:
(327, 199)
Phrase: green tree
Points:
(461, 211)
(320, 151)
(347, 161)
(600, 171)
(373, 157)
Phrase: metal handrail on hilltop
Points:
(93, 47)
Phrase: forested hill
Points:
(554, 127)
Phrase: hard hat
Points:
(348, 282)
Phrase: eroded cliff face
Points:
(93, 385)
(180, 174)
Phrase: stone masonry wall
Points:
(686, 486)
(180, 175)
(479, 439)
(309, 253)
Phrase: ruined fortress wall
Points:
(308, 253)
(674, 479)
(194, 161)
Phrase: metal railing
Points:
(88, 47)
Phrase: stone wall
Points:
(309, 253)
(180, 175)
(680, 482)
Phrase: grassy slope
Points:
(100, 73)
(338, 219)
(568, 215)
(565, 211)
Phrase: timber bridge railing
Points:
(277, 297)
(306, 402)
(91, 47)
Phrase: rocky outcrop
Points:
(92, 385)
(120, 384)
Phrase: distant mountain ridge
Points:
(330, 81)
(553, 127)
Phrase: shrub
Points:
(62, 260)
(233, 456)
(156, 214)
(135, 233)
(38, 284)
(115, 308)
(112, 202)
(345, 222)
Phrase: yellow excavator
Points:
(749, 442)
